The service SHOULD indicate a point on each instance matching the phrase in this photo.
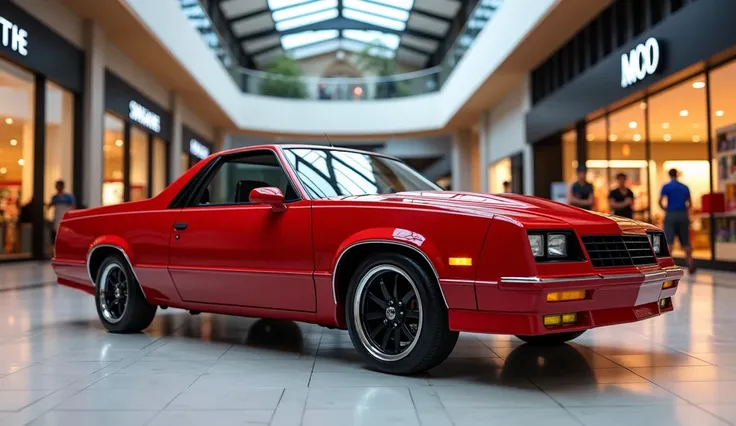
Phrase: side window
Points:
(236, 177)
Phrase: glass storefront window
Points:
(723, 124)
(569, 155)
(113, 149)
(17, 89)
(500, 172)
(159, 166)
(138, 164)
(627, 136)
(678, 131)
(597, 162)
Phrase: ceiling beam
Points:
(431, 15)
(248, 15)
(266, 48)
(341, 23)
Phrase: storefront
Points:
(194, 148)
(136, 144)
(653, 91)
(41, 84)
(507, 175)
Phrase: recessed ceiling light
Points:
(667, 137)
(613, 137)
(13, 142)
(632, 125)
(696, 138)
(3, 170)
(637, 137)
(8, 121)
(643, 105)
(665, 125)
(698, 84)
(720, 113)
(590, 137)
(21, 162)
(684, 113)
(119, 142)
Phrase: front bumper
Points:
(517, 305)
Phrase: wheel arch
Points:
(101, 249)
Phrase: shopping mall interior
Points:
(445, 119)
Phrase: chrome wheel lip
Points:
(360, 295)
(102, 294)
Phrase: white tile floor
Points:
(59, 367)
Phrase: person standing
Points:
(506, 187)
(62, 202)
(621, 199)
(581, 191)
(676, 218)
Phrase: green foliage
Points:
(368, 61)
(284, 79)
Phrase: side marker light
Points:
(461, 261)
(561, 296)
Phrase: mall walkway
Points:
(59, 367)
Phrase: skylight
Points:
(377, 9)
(389, 41)
(292, 41)
(307, 19)
(303, 9)
(374, 19)
(280, 4)
(402, 4)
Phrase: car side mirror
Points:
(268, 195)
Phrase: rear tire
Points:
(121, 305)
(396, 316)
(551, 339)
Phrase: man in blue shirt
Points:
(676, 218)
(61, 202)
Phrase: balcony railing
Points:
(338, 88)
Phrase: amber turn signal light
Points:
(461, 261)
(668, 284)
(561, 296)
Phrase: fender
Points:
(118, 243)
(398, 236)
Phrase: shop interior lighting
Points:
(720, 113)
(667, 137)
(698, 85)
(684, 113)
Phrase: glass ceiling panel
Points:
(306, 20)
(292, 41)
(377, 9)
(374, 19)
(390, 41)
(403, 4)
(304, 9)
(278, 4)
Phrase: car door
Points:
(225, 250)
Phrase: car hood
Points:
(528, 210)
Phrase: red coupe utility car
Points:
(357, 240)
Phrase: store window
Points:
(159, 166)
(597, 162)
(16, 160)
(723, 123)
(138, 164)
(628, 156)
(569, 155)
(679, 140)
(500, 174)
(113, 153)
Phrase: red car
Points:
(357, 240)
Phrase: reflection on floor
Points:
(59, 367)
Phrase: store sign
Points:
(640, 62)
(144, 117)
(198, 149)
(13, 37)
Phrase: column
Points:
(484, 124)
(462, 175)
(94, 112)
(176, 145)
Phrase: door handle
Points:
(180, 226)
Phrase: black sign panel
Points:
(28, 42)
(194, 144)
(130, 104)
(691, 35)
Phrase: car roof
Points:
(305, 146)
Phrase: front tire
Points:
(551, 339)
(121, 305)
(396, 316)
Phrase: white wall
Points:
(55, 15)
(191, 120)
(513, 21)
(505, 132)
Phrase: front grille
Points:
(619, 250)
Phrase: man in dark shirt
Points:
(621, 199)
(581, 192)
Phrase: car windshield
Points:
(329, 173)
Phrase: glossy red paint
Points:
(280, 260)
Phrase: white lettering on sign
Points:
(198, 149)
(143, 116)
(14, 37)
(640, 62)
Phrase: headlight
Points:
(537, 244)
(656, 239)
(556, 245)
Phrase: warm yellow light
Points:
(590, 137)
(118, 142)
(720, 113)
(613, 137)
(637, 137)
(8, 121)
(668, 284)
(561, 296)
(684, 113)
(662, 303)
(633, 125)
(461, 261)
(552, 320)
(21, 162)
(667, 137)
(569, 318)
(698, 85)
(3, 170)
(696, 138)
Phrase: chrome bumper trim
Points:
(665, 273)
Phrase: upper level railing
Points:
(338, 88)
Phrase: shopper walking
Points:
(621, 199)
(581, 191)
(677, 218)
(62, 201)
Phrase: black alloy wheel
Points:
(120, 302)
